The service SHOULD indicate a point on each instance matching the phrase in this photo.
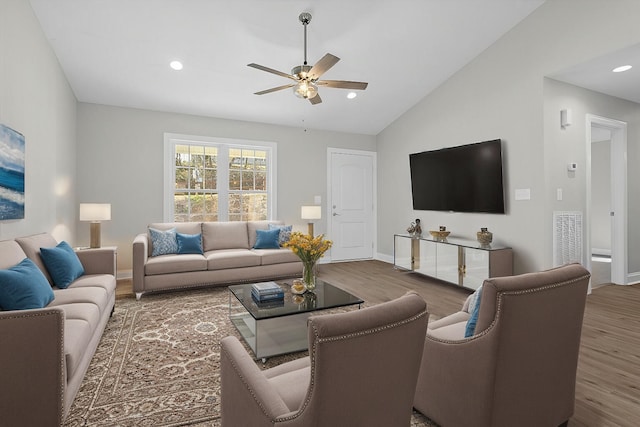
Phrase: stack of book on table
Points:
(267, 292)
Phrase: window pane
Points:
(210, 179)
(180, 204)
(211, 206)
(247, 180)
(254, 207)
(182, 155)
(197, 203)
(235, 204)
(210, 157)
(234, 180)
(261, 181)
(182, 177)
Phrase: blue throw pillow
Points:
(267, 239)
(189, 243)
(62, 264)
(285, 232)
(163, 242)
(474, 311)
(23, 286)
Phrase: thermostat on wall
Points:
(571, 167)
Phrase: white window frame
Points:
(173, 139)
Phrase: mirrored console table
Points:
(463, 262)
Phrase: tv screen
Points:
(467, 178)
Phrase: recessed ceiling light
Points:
(176, 65)
(351, 95)
(622, 68)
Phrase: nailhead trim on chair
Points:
(338, 338)
(499, 309)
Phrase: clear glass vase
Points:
(309, 276)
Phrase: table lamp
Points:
(311, 212)
(95, 213)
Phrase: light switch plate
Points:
(523, 194)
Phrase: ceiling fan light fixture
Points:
(305, 89)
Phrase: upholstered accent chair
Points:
(518, 368)
(361, 371)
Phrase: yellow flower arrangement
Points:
(309, 250)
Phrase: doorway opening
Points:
(606, 208)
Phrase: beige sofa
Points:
(228, 257)
(45, 352)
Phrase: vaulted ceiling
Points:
(118, 52)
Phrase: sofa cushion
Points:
(285, 232)
(163, 242)
(77, 334)
(31, 246)
(167, 264)
(231, 258)
(267, 239)
(23, 287)
(457, 317)
(453, 332)
(252, 226)
(292, 386)
(276, 256)
(189, 243)
(94, 295)
(104, 281)
(224, 235)
(86, 311)
(10, 253)
(62, 264)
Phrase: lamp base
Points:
(311, 229)
(95, 235)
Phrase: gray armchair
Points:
(361, 371)
(519, 366)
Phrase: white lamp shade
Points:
(95, 211)
(311, 212)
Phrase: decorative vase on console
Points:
(309, 249)
(485, 237)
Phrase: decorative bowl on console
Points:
(439, 234)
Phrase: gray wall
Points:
(500, 94)
(120, 161)
(565, 145)
(36, 100)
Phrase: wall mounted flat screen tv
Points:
(466, 178)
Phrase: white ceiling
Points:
(596, 74)
(117, 52)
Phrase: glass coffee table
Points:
(280, 327)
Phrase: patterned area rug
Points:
(158, 363)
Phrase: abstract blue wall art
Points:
(11, 174)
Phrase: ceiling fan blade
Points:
(275, 89)
(315, 100)
(343, 84)
(271, 70)
(323, 66)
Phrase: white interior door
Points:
(351, 206)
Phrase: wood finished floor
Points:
(608, 380)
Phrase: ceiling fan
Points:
(306, 77)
